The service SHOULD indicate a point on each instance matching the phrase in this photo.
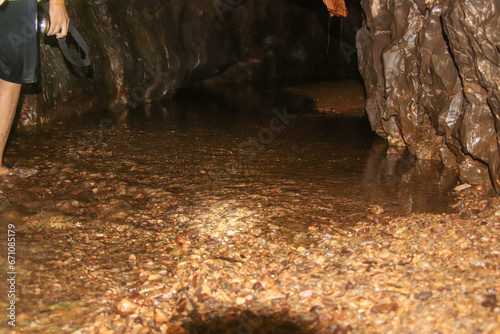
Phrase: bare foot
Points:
(4, 171)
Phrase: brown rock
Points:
(184, 237)
(256, 231)
(126, 307)
(384, 308)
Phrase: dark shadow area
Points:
(341, 55)
(220, 106)
(247, 322)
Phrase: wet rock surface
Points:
(144, 51)
(432, 75)
(159, 223)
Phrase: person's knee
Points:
(9, 87)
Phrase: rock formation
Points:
(432, 75)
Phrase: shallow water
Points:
(211, 154)
(114, 205)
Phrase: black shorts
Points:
(18, 41)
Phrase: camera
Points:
(43, 24)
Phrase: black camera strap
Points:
(83, 48)
(84, 59)
(82, 45)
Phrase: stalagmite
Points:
(432, 77)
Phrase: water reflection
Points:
(333, 163)
(407, 184)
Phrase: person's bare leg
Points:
(9, 95)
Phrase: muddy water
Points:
(276, 156)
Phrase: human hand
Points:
(59, 20)
(1, 2)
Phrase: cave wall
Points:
(432, 75)
(143, 51)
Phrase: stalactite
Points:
(336, 7)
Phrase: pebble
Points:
(273, 294)
(445, 253)
(384, 308)
(424, 295)
(202, 297)
(306, 294)
(256, 231)
(320, 260)
(477, 263)
(377, 209)
(380, 278)
(184, 237)
(261, 241)
(21, 317)
(385, 253)
(301, 249)
(153, 277)
(401, 230)
(362, 240)
(381, 221)
(462, 187)
(424, 263)
(125, 307)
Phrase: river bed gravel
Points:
(155, 226)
